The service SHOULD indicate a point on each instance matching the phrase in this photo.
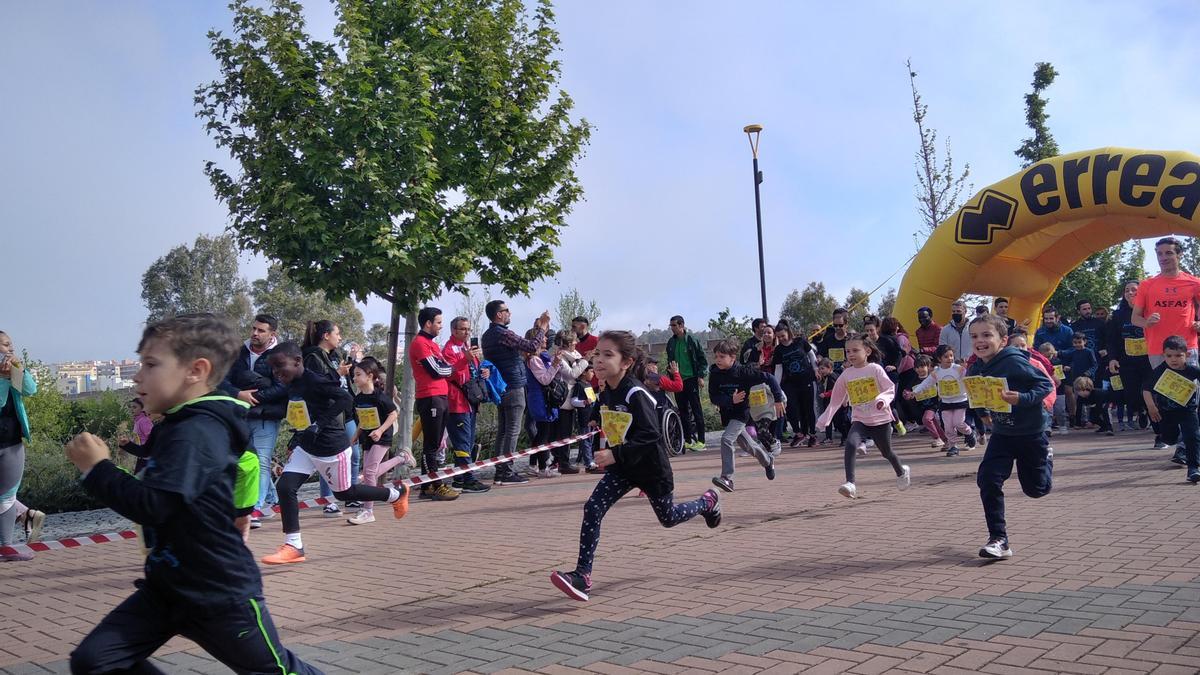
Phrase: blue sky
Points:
(102, 164)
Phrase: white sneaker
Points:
(862, 450)
(548, 473)
(331, 510)
(937, 443)
(870, 443)
(848, 491)
(905, 479)
(268, 513)
(996, 549)
(362, 518)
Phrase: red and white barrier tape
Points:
(412, 481)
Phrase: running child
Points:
(1018, 433)
(315, 407)
(1059, 422)
(1176, 415)
(947, 378)
(870, 410)
(927, 403)
(376, 414)
(636, 459)
(201, 581)
(729, 386)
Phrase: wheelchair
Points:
(672, 425)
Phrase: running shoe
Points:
(952, 452)
(595, 468)
(770, 470)
(901, 430)
(1178, 459)
(548, 473)
(34, 521)
(473, 486)
(795, 442)
(904, 480)
(996, 549)
(971, 442)
(354, 504)
(575, 585)
(510, 478)
(848, 490)
(812, 440)
(255, 522)
(17, 557)
(426, 492)
(937, 443)
(286, 555)
(724, 483)
(1194, 477)
(1159, 445)
(712, 508)
(331, 509)
(444, 493)
(862, 450)
(400, 506)
(268, 512)
(568, 469)
(363, 517)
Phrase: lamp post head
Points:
(752, 133)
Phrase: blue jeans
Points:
(263, 434)
(461, 430)
(1035, 471)
(355, 461)
(585, 445)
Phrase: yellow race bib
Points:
(297, 415)
(368, 418)
(948, 388)
(1116, 383)
(1175, 387)
(589, 393)
(927, 394)
(615, 425)
(837, 355)
(862, 390)
(1135, 346)
(985, 392)
(758, 397)
(1058, 372)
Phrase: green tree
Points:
(812, 306)
(940, 186)
(1095, 280)
(726, 325)
(431, 141)
(377, 341)
(1190, 260)
(1042, 144)
(857, 302)
(49, 411)
(1133, 261)
(887, 304)
(571, 304)
(200, 278)
(294, 306)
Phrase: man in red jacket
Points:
(929, 333)
(431, 374)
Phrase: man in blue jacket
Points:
(1053, 331)
(250, 379)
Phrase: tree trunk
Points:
(408, 389)
(393, 346)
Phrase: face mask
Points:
(957, 317)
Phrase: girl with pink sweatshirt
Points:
(865, 385)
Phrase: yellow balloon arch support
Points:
(1018, 238)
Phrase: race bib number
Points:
(1116, 383)
(758, 397)
(1135, 346)
(927, 394)
(837, 355)
(1175, 387)
(589, 394)
(985, 392)
(297, 415)
(1058, 372)
(949, 388)
(615, 425)
(368, 418)
(863, 390)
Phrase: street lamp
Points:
(752, 133)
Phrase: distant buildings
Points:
(80, 377)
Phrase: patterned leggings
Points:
(611, 488)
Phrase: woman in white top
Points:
(570, 366)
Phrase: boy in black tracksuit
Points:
(201, 581)
(1016, 436)
(729, 388)
(1176, 422)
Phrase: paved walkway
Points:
(1105, 578)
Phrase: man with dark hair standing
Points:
(250, 380)
(1166, 303)
(587, 342)
(431, 374)
(831, 344)
(686, 352)
(750, 353)
(1053, 331)
(503, 348)
(928, 332)
(1092, 328)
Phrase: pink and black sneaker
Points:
(712, 508)
(574, 584)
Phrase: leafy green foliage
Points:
(887, 304)
(48, 410)
(571, 304)
(808, 308)
(1095, 280)
(293, 305)
(1042, 144)
(858, 302)
(200, 278)
(729, 326)
(1133, 262)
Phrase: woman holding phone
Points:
(15, 384)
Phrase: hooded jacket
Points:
(271, 394)
(186, 502)
(327, 404)
(1032, 384)
(642, 459)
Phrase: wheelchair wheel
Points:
(672, 425)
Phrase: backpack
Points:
(476, 391)
(556, 393)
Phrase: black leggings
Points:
(606, 493)
(563, 428)
(800, 412)
(882, 435)
(432, 411)
(289, 507)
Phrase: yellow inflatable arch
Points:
(1018, 238)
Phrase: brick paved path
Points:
(1105, 578)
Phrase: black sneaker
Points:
(711, 512)
(952, 452)
(575, 585)
(970, 441)
(996, 549)
(255, 523)
(457, 483)
(1178, 459)
(770, 470)
(473, 486)
(354, 505)
(1194, 477)
(510, 478)
(724, 483)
